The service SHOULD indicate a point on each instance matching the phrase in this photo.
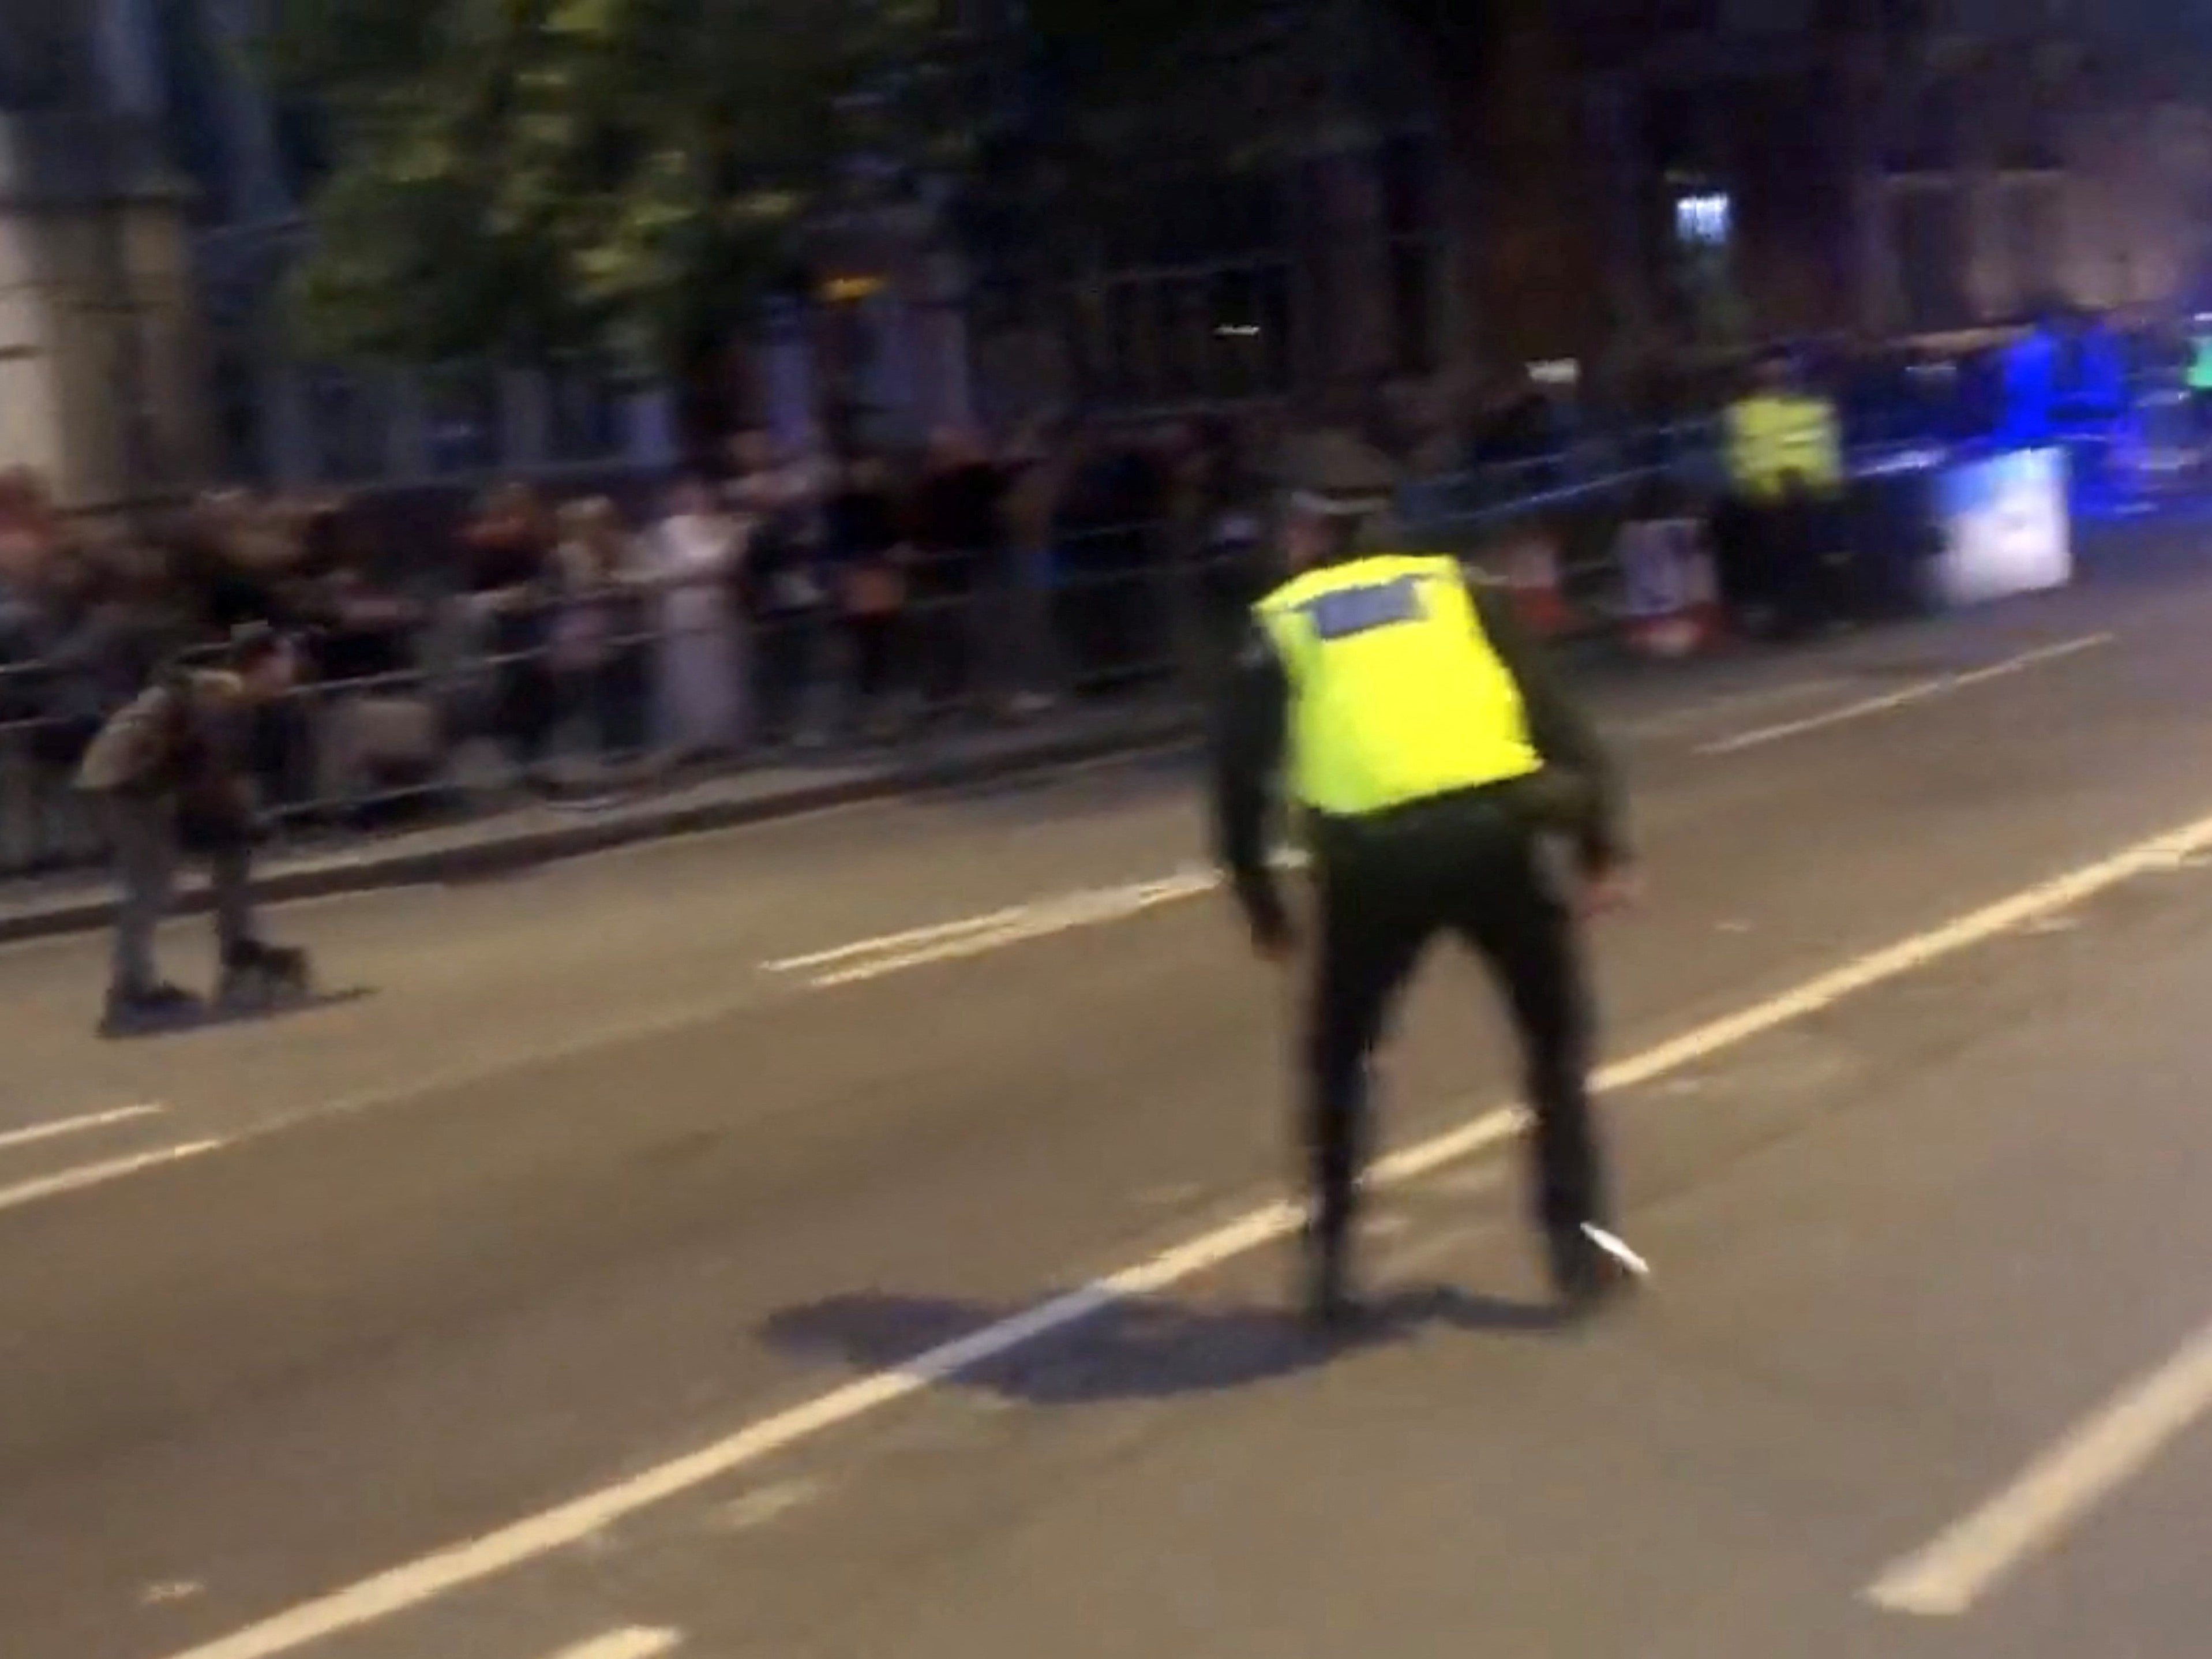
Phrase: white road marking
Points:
(1734, 702)
(974, 936)
(2094, 1459)
(765, 1506)
(1079, 910)
(892, 942)
(76, 1126)
(413, 1584)
(625, 1645)
(99, 1175)
(1919, 691)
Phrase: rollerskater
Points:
(256, 977)
(171, 775)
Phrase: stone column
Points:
(96, 317)
(652, 438)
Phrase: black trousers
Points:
(1470, 866)
(782, 661)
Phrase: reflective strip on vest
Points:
(1396, 692)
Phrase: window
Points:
(193, 131)
(1412, 220)
(1179, 330)
(1926, 128)
(2032, 216)
(1414, 296)
(584, 414)
(2030, 130)
(1202, 314)
(1928, 238)
(235, 398)
(1121, 343)
(347, 427)
(463, 420)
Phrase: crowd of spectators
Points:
(786, 597)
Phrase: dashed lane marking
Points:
(625, 1645)
(87, 1175)
(2100, 1455)
(36, 1133)
(1919, 691)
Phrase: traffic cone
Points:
(1532, 573)
(1689, 618)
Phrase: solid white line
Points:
(415, 1583)
(890, 942)
(99, 1175)
(76, 1126)
(625, 1645)
(974, 936)
(2092, 1461)
(1919, 691)
(1669, 722)
(1079, 910)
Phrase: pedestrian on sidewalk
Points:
(696, 554)
(868, 563)
(173, 774)
(1429, 755)
(601, 637)
(958, 537)
(514, 590)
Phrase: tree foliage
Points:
(516, 175)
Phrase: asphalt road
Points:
(577, 1280)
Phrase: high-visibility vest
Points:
(2200, 363)
(1396, 693)
(1773, 439)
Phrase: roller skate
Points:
(257, 978)
(134, 1011)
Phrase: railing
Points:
(1570, 502)
(600, 693)
(635, 686)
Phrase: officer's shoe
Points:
(1330, 1304)
(1591, 1269)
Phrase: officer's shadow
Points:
(1127, 1350)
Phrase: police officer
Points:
(1429, 755)
(1785, 462)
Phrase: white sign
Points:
(2006, 528)
(1665, 569)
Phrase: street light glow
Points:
(1706, 218)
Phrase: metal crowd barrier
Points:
(1572, 503)
(484, 708)
(489, 710)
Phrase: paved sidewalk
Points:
(537, 833)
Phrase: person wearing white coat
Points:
(697, 552)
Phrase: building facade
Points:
(148, 209)
(99, 364)
(1878, 168)
(1298, 218)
